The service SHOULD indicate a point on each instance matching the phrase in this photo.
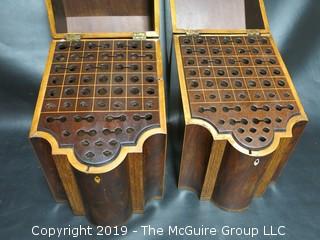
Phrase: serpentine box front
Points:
(242, 114)
(99, 127)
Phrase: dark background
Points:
(25, 199)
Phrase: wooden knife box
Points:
(99, 127)
(242, 115)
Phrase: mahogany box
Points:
(240, 111)
(99, 127)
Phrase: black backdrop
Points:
(25, 200)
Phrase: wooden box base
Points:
(110, 198)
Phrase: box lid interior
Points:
(218, 15)
(103, 17)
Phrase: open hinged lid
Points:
(103, 18)
(219, 16)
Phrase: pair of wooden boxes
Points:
(99, 127)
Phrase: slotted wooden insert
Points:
(236, 83)
(101, 95)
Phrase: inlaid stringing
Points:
(237, 84)
(101, 95)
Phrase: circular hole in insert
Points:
(238, 83)
(244, 121)
(204, 61)
(150, 79)
(216, 51)
(190, 62)
(192, 73)
(134, 103)
(134, 79)
(62, 46)
(67, 104)
(103, 79)
(238, 40)
(228, 51)
(227, 96)
(194, 84)
(272, 95)
(276, 71)
(221, 122)
(186, 40)
(149, 45)
(113, 143)
(66, 133)
(212, 96)
(232, 122)
(107, 153)
(254, 108)
(245, 61)
(134, 45)
(69, 91)
(281, 83)
(118, 91)
(209, 83)
(259, 61)
(151, 91)
(87, 79)
(85, 143)
(266, 108)
(251, 40)
(84, 104)
(253, 130)
(241, 130)
(248, 139)
(266, 130)
(189, 51)
(249, 72)
(118, 79)
(71, 79)
(272, 61)
(262, 139)
(221, 72)
(256, 121)
(279, 108)
(207, 72)
(202, 51)
(130, 130)
(89, 155)
(101, 104)
(242, 95)
(134, 91)
(72, 68)
(252, 83)
(264, 40)
(224, 83)
(268, 50)
(200, 40)
(286, 95)
(148, 117)
(231, 61)
(263, 72)
(213, 40)
(235, 72)
(85, 91)
(99, 143)
(278, 120)
(290, 107)
(102, 91)
(267, 120)
(54, 80)
(218, 61)
(242, 51)
(197, 97)
(237, 109)
(267, 83)
(255, 51)
(225, 109)
(257, 95)
(149, 67)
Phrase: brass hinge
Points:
(139, 36)
(73, 37)
(192, 33)
(254, 33)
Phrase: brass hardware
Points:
(73, 37)
(139, 36)
(97, 179)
